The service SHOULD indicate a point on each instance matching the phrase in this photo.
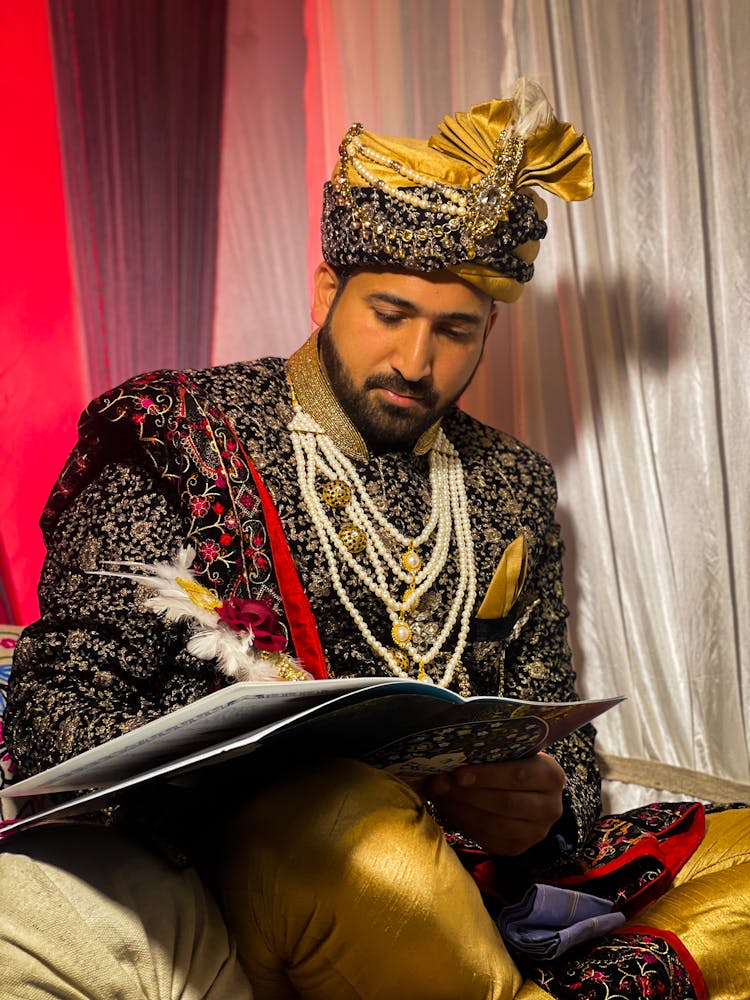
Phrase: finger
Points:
(497, 834)
(538, 773)
(533, 807)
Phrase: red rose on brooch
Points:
(254, 616)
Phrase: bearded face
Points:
(400, 348)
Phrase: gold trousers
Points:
(338, 885)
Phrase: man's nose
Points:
(412, 355)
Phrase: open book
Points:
(407, 727)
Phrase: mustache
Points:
(422, 390)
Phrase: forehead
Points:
(429, 293)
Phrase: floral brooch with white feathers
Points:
(243, 636)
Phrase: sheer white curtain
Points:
(627, 360)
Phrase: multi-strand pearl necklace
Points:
(361, 544)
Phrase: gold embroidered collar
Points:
(315, 395)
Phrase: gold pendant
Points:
(401, 633)
(407, 596)
(411, 560)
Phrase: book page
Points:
(406, 726)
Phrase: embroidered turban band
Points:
(462, 200)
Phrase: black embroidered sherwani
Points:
(98, 663)
(170, 458)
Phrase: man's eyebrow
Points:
(390, 300)
(386, 298)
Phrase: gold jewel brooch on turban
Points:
(459, 201)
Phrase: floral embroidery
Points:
(209, 551)
(238, 633)
(625, 966)
(198, 506)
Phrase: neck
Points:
(314, 393)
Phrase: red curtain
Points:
(128, 155)
(40, 389)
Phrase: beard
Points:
(384, 426)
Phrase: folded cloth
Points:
(549, 921)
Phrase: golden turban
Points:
(462, 199)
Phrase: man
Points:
(343, 517)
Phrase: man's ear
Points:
(491, 320)
(325, 285)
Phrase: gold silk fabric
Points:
(555, 157)
(464, 151)
(708, 906)
(338, 885)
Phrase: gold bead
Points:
(336, 493)
(353, 538)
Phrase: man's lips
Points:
(400, 399)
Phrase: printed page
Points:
(239, 708)
(410, 728)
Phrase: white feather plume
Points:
(179, 596)
(531, 109)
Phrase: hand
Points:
(507, 807)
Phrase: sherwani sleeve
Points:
(97, 663)
(538, 667)
(537, 658)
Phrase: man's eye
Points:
(454, 334)
(388, 318)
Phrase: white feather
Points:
(212, 638)
(531, 109)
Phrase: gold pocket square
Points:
(507, 581)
